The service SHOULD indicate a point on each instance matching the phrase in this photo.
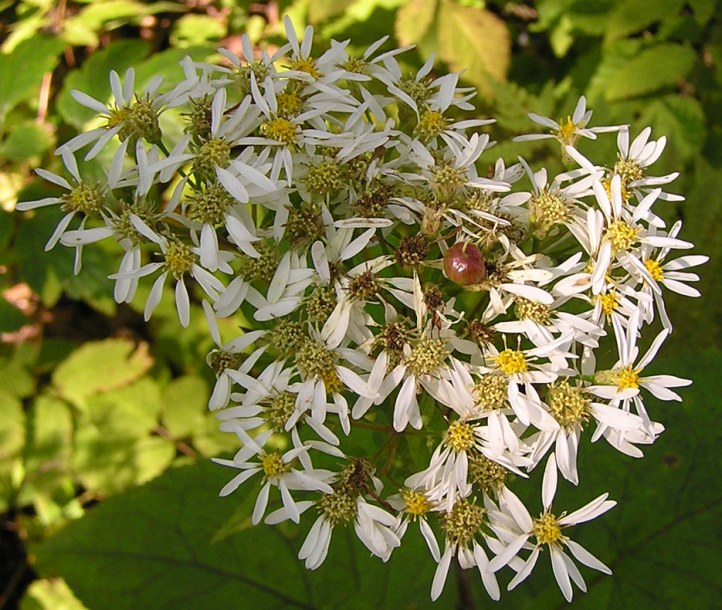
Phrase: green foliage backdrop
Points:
(105, 480)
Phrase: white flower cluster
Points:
(409, 321)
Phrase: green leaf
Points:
(42, 271)
(191, 30)
(92, 78)
(320, 10)
(11, 319)
(12, 423)
(155, 545)
(631, 16)
(22, 71)
(681, 119)
(116, 445)
(99, 367)
(83, 28)
(7, 226)
(654, 68)
(185, 405)
(475, 41)
(16, 378)
(48, 450)
(703, 10)
(12, 439)
(26, 140)
(413, 20)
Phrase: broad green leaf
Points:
(631, 16)
(12, 439)
(22, 71)
(99, 367)
(15, 377)
(703, 10)
(185, 405)
(155, 546)
(104, 15)
(110, 464)
(130, 411)
(475, 41)
(7, 225)
(413, 20)
(654, 68)
(320, 10)
(92, 78)
(26, 141)
(191, 30)
(43, 271)
(12, 418)
(679, 118)
(48, 449)
(116, 445)
(10, 317)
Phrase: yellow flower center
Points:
(273, 465)
(567, 132)
(280, 129)
(305, 65)
(511, 362)
(621, 236)
(546, 529)
(460, 436)
(655, 269)
(416, 503)
(627, 378)
(609, 302)
(431, 124)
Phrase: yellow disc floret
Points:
(547, 530)
(511, 362)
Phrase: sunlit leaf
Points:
(320, 10)
(99, 367)
(653, 68)
(50, 594)
(12, 439)
(22, 71)
(48, 450)
(413, 20)
(26, 141)
(631, 16)
(475, 41)
(192, 30)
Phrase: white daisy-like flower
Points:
(130, 116)
(277, 471)
(179, 260)
(463, 527)
(514, 526)
(623, 382)
(568, 131)
(635, 158)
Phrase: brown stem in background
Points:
(44, 98)
(462, 585)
